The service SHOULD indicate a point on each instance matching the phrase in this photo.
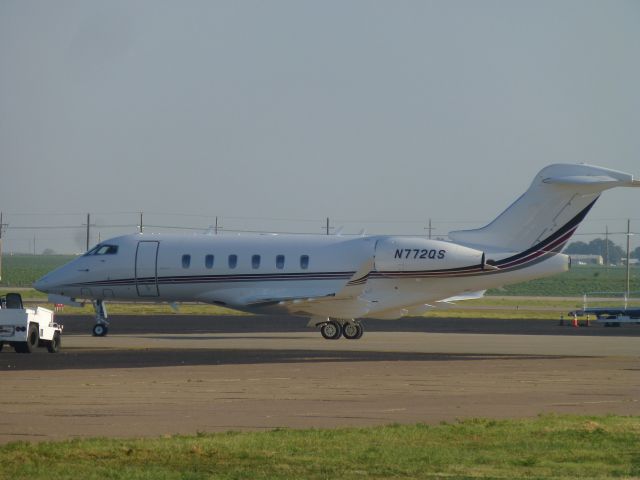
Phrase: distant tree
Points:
(597, 246)
(635, 253)
(48, 251)
(577, 248)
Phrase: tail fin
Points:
(558, 199)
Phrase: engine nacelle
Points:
(398, 254)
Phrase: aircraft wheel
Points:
(352, 331)
(54, 345)
(360, 331)
(331, 330)
(100, 330)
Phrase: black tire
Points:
(360, 331)
(352, 331)
(54, 345)
(1, 345)
(100, 330)
(331, 330)
(33, 338)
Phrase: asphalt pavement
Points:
(177, 323)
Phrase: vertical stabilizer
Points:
(557, 201)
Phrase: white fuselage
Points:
(325, 275)
(343, 277)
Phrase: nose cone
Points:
(42, 284)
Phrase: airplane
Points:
(336, 280)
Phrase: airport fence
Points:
(73, 233)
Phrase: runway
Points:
(183, 374)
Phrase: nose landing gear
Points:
(101, 328)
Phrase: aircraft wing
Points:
(420, 309)
(464, 296)
(350, 301)
(347, 300)
(275, 300)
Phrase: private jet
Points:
(336, 280)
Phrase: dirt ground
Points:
(152, 384)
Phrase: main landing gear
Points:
(334, 329)
(101, 328)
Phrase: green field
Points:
(576, 282)
(495, 307)
(23, 270)
(19, 271)
(548, 447)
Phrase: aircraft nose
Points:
(42, 284)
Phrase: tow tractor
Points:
(26, 328)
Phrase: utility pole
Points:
(89, 225)
(628, 262)
(1, 228)
(88, 229)
(606, 243)
(141, 228)
(327, 227)
(216, 228)
(429, 229)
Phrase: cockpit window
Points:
(103, 250)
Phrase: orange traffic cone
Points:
(574, 323)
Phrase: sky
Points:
(275, 115)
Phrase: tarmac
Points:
(179, 374)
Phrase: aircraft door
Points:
(147, 268)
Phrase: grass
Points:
(532, 308)
(576, 282)
(548, 447)
(488, 307)
(23, 270)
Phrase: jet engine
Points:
(398, 254)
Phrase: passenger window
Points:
(255, 261)
(304, 262)
(208, 261)
(186, 261)
(280, 262)
(233, 261)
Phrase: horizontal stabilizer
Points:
(601, 180)
(549, 212)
